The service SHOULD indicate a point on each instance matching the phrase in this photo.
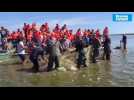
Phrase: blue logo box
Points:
(122, 17)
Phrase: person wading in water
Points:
(95, 48)
(107, 49)
(124, 41)
(53, 49)
(79, 45)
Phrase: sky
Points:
(74, 20)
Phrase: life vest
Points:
(88, 33)
(46, 28)
(79, 34)
(97, 34)
(41, 37)
(15, 36)
(29, 36)
(20, 36)
(72, 37)
(106, 31)
(9, 37)
(57, 29)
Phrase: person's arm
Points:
(47, 52)
(99, 42)
(126, 39)
(60, 47)
(110, 41)
(122, 39)
(23, 46)
(75, 49)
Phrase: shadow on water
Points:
(28, 70)
(95, 75)
(108, 66)
(105, 74)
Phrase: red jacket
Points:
(97, 34)
(15, 36)
(37, 35)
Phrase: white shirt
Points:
(20, 48)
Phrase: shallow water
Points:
(123, 63)
(118, 72)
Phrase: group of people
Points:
(3, 37)
(42, 42)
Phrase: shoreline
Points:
(121, 34)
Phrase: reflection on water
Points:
(123, 69)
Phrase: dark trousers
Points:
(22, 57)
(52, 60)
(81, 59)
(95, 54)
(3, 44)
(106, 54)
(124, 46)
(35, 64)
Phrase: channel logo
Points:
(122, 17)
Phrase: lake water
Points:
(123, 63)
(118, 72)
